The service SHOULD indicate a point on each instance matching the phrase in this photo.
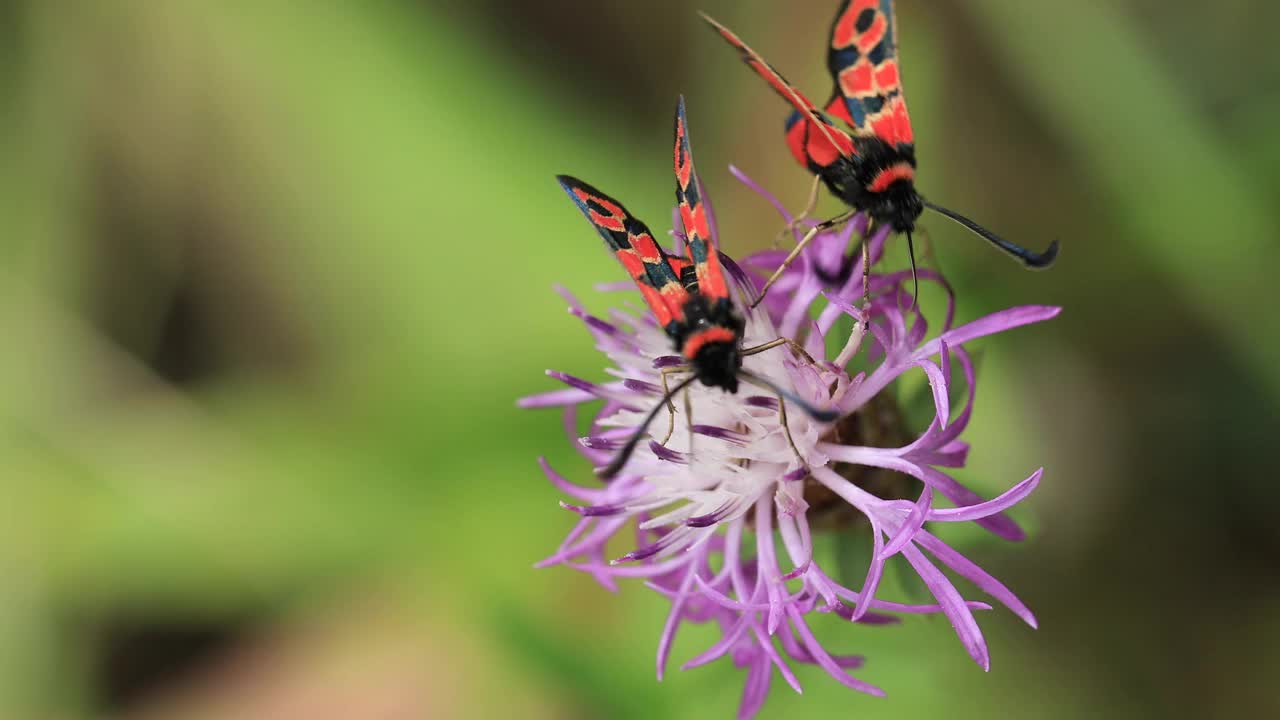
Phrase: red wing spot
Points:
(632, 262)
(874, 34)
(887, 75)
(845, 31)
(602, 202)
(646, 248)
(613, 221)
(855, 80)
(606, 221)
(657, 304)
(683, 167)
(795, 140)
(711, 281)
(839, 109)
(695, 219)
(884, 127)
(821, 152)
(902, 122)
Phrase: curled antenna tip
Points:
(1044, 259)
(1028, 258)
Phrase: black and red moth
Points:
(872, 167)
(689, 296)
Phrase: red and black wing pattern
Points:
(700, 245)
(863, 60)
(814, 140)
(656, 272)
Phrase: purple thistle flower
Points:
(708, 506)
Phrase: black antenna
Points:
(1028, 258)
(615, 466)
(810, 410)
(915, 281)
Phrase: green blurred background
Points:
(272, 275)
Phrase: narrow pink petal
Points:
(952, 604)
(914, 521)
(766, 644)
(555, 398)
(673, 621)
(563, 292)
(938, 384)
(1008, 499)
(825, 661)
(998, 524)
(994, 323)
(767, 561)
(768, 196)
(966, 568)
(755, 691)
(588, 495)
(722, 646)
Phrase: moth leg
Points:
(782, 408)
(852, 345)
(666, 393)
(786, 429)
(813, 232)
(688, 416)
(795, 347)
(804, 214)
(866, 274)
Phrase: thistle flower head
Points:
(723, 507)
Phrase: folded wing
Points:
(656, 272)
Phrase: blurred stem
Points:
(1193, 211)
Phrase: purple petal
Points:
(799, 473)
(768, 196)
(586, 494)
(768, 562)
(875, 572)
(814, 342)
(554, 398)
(641, 386)
(596, 323)
(563, 292)
(722, 646)
(597, 442)
(594, 510)
(755, 691)
(998, 524)
(870, 618)
(824, 660)
(971, 572)
(673, 622)
(994, 323)
(711, 518)
(952, 605)
(662, 452)
(937, 383)
(1008, 499)
(719, 433)
(615, 286)
(914, 521)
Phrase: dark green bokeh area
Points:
(273, 274)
